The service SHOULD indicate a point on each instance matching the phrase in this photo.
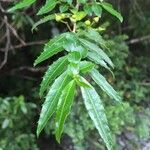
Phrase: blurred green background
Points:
(19, 82)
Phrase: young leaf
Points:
(88, 9)
(93, 47)
(82, 82)
(22, 4)
(74, 57)
(72, 46)
(53, 71)
(50, 104)
(63, 108)
(51, 48)
(97, 9)
(43, 20)
(86, 66)
(80, 15)
(69, 1)
(105, 86)
(108, 7)
(63, 8)
(49, 5)
(96, 111)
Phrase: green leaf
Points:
(96, 111)
(91, 34)
(69, 1)
(93, 56)
(86, 66)
(108, 7)
(73, 69)
(53, 71)
(51, 48)
(80, 15)
(74, 57)
(63, 108)
(82, 82)
(104, 85)
(22, 4)
(82, 1)
(49, 5)
(5, 123)
(63, 8)
(88, 9)
(50, 104)
(97, 9)
(43, 20)
(100, 52)
(75, 46)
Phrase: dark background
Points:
(19, 81)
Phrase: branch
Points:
(7, 44)
(25, 45)
(28, 68)
(13, 30)
(137, 40)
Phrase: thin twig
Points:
(66, 25)
(26, 44)
(15, 33)
(137, 40)
(7, 44)
(75, 24)
(28, 68)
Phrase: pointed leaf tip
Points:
(108, 7)
(96, 111)
(50, 104)
(63, 108)
(54, 70)
(104, 85)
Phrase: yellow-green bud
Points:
(74, 16)
(88, 22)
(101, 29)
(73, 20)
(63, 16)
(96, 19)
(58, 17)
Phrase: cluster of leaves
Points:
(126, 120)
(84, 47)
(82, 133)
(14, 132)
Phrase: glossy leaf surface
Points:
(111, 10)
(22, 4)
(86, 66)
(51, 48)
(96, 111)
(91, 46)
(63, 108)
(51, 101)
(53, 71)
(49, 5)
(105, 86)
(43, 20)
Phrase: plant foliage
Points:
(85, 50)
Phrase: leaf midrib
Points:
(46, 83)
(64, 104)
(54, 99)
(97, 117)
